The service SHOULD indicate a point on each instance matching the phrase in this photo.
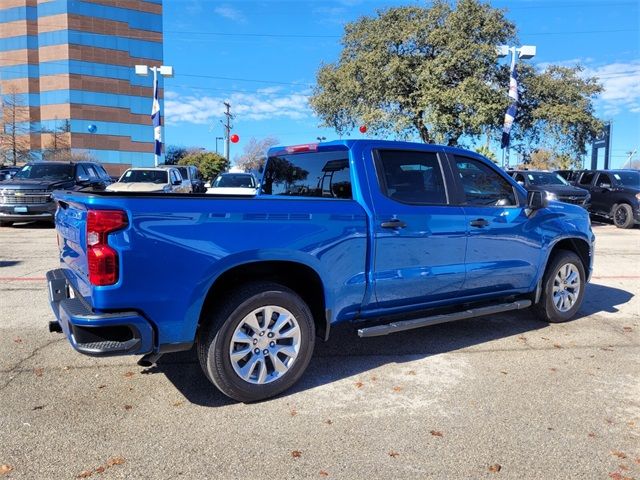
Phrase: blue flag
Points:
(155, 118)
(510, 114)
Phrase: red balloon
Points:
(363, 129)
(234, 138)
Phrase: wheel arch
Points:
(299, 277)
(577, 245)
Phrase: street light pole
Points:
(165, 71)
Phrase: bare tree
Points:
(255, 153)
(15, 142)
(59, 145)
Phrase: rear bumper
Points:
(96, 334)
(43, 211)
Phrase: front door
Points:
(501, 254)
(419, 238)
(601, 194)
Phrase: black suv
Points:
(615, 194)
(554, 186)
(27, 196)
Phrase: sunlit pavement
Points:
(499, 397)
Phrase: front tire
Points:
(258, 343)
(623, 216)
(563, 288)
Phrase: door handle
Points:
(479, 223)
(393, 223)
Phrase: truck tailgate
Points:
(71, 230)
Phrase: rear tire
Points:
(623, 215)
(563, 288)
(275, 328)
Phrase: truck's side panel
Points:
(170, 258)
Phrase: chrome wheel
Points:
(265, 344)
(566, 287)
(620, 216)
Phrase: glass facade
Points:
(71, 63)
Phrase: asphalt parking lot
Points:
(499, 397)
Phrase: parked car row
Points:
(613, 194)
(26, 192)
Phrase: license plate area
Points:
(20, 209)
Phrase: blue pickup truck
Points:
(388, 235)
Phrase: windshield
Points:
(545, 178)
(628, 179)
(148, 176)
(233, 180)
(184, 172)
(46, 171)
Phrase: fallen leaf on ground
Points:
(293, 412)
(178, 403)
(592, 435)
(609, 421)
(522, 338)
(296, 454)
(435, 433)
(411, 372)
(101, 386)
(128, 374)
(38, 371)
(38, 407)
(17, 340)
(606, 349)
(553, 369)
(393, 454)
(100, 469)
(618, 476)
(115, 461)
(128, 407)
(549, 428)
(359, 384)
(557, 345)
(618, 454)
(623, 467)
(397, 389)
(66, 368)
(5, 468)
(495, 468)
(627, 329)
(544, 338)
(503, 372)
(374, 378)
(638, 460)
(328, 421)
(85, 474)
(323, 473)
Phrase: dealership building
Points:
(71, 63)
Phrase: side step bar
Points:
(403, 325)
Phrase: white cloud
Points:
(230, 13)
(265, 104)
(621, 82)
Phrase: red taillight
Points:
(102, 259)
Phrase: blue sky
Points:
(262, 56)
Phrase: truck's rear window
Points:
(317, 174)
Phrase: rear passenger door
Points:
(601, 195)
(501, 255)
(419, 236)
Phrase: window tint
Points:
(483, 186)
(603, 180)
(587, 178)
(317, 174)
(411, 177)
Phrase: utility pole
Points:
(227, 129)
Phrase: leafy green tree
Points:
(210, 164)
(432, 72)
(487, 152)
(174, 154)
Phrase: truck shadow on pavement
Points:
(346, 355)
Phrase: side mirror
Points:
(537, 200)
(520, 182)
(83, 178)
